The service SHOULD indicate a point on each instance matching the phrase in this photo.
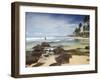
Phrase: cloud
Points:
(39, 24)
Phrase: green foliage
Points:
(86, 18)
(85, 27)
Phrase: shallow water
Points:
(58, 41)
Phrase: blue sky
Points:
(48, 24)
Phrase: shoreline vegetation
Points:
(46, 55)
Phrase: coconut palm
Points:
(77, 31)
(86, 19)
(80, 25)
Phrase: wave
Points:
(49, 39)
(34, 39)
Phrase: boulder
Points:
(87, 47)
(58, 50)
(35, 54)
(38, 48)
(63, 58)
(30, 59)
(55, 64)
(38, 64)
(45, 44)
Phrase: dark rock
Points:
(34, 55)
(88, 60)
(45, 44)
(38, 48)
(58, 50)
(55, 64)
(79, 51)
(46, 55)
(74, 51)
(38, 51)
(63, 58)
(87, 47)
(38, 64)
(30, 59)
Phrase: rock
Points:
(30, 59)
(88, 59)
(58, 50)
(74, 51)
(46, 55)
(38, 64)
(38, 51)
(55, 64)
(45, 44)
(38, 48)
(34, 55)
(63, 58)
(87, 47)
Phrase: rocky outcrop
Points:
(45, 44)
(38, 48)
(87, 47)
(34, 55)
(58, 50)
(30, 59)
(55, 64)
(63, 58)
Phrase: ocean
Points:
(53, 41)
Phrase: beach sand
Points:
(75, 60)
(78, 60)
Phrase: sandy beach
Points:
(78, 60)
(75, 60)
(80, 56)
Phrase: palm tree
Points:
(86, 18)
(86, 26)
(77, 31)
(80, 25)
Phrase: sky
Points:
(51, 24)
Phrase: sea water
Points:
(53, 41)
